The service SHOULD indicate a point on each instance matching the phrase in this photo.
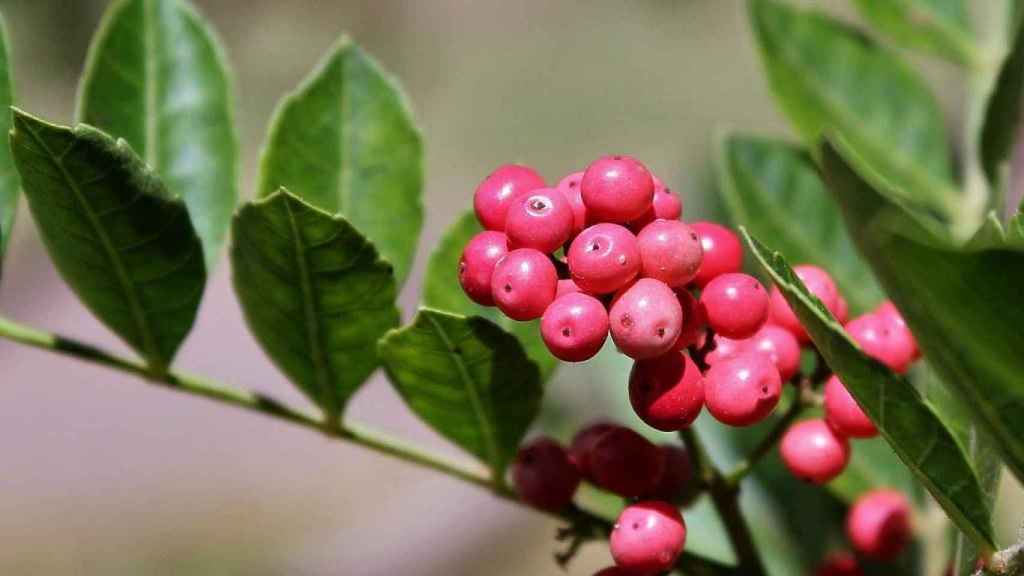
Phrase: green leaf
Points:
(119, 239)
(8, 173)
(941, 27)
(157, 77)
(441, 290)
(315, 294)
(827, 75)
(905, 420)
(1003, 113)
(765, 182)
(873, 464)
(962, 304)
(345, 141)
(467, 379)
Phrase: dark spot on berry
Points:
(693, 235)
(616, 157)
(660, 332)
(594, 246)
(528, 458)
(764, 389)
(507, 288)
(573, 183)
(636, 525)
(566, 331)
(626, 321)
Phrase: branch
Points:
(803, 398)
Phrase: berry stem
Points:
(801, 400)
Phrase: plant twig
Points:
(801, 400)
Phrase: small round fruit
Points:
(670, 251)
(574, 327)
(476, 266)
(882, 340)
(565, 286)
(694, 321)
(819, 283)
(667, 392)
(645, 319)
(724, 349)
(742, 390)
(495, 194)
(524, 284)
(813, 452)
(648, 537)
(570, 188)
(543, 475)
(541, 219)
(583, 442)
(839, 564)
(842, 310)
(723, 252)
(781, 347)
(604, 258)
(626, 463)
(736, 305)
(676, 477)
(903, 337)
(843, 413)
(878, 525)
(617, 189)
(666, 206)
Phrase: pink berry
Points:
(666, 206)
(626, 463)
(645, 319)
(667, 392)
(813, 452)
(574, 327)
(565, 286)
(843, 413)
(543, 475)
(723, 252)
(736, 305)
(781, 347)
(902, 336)
(742, 390)
(583, 445)
(839, 564)
(669, 251)
(882, 340)
(648, 537)
(617, 189)
(677, 475)
(694, 321)
(524, 284)
(477, 265)
(878, 525)
(842, 310)
(570, 188)
(819, 283)
(495, 194)
(604, 258)
(541, 219)
(724, 349)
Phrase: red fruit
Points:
(626, 463)
(617, 189)
(780, 346)
(903, 337)
(495, 194)
(648, 537)
(883, 340)
(570, 188)
(677, 475)
(615, 571)
(666, 206)
(723, 252)
(666, 392)
(476, 266)
(604, 258)
(541, 219)
(583, 445)
(742, 390)
(842, 310)
(574, 327)
(724, 349)
(813, 452)
(543, 475)
(820, 284)
(645, 319)
(736, 305)
(839, 564)
(878, 524)
(694, 321)
(669, 251)
(524, 284)
(843, 413)
(565, 286)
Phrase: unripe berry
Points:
(669, 251)
(743, 389)
(819, 283)
(723, 252)
(604, 258)
(694, 321)
(666, 392)
(676, 477)
(903, 337)
(666, 206)
(781, 347)
(570, 188)
(736, 305)
(524, 284)
(565, 286)
(882, 340)
(574, 327)
(843, 413)
(648, 537)
(541, 219)
(839, 564)
(626, 463)
(543, 475)
(645, 319)
(476, 266)
(878, 524)
(813, 452)
(617, 189)
(497, 192)
(582, 446)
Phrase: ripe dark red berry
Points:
(617, 189)
(839, 564)
(736, 305)
(843, 413)
(723, 252)
(626, 463)
(676, 477)
(524, 284)
(743, 389)
(648, 537)
(645, 319)
(878, 525)
(543, 475)
(667, 392)
(583, 442)
(813, 452)
(497, 192)
(477, 265)
(574, 327)
(604, 258)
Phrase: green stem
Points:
(800, 401)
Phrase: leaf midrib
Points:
(344, 178)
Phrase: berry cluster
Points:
(878, 526)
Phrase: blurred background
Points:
(100, 474)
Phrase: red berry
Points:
(781, 347)
(902, 335)
(724, 349)
(666, 206)
(604, 258)
(648, 537)
(669, 251)
(583, 445)
(677, 475)
(626, 463)
(543, 475)
(615, 571)
(541, 219)
(645, 319)
(736, 305)
(524, 284)
(694, 321)
(842, 310)
(477, 265)
(723, 252)
(495, 194)
(819, 283)
(574, 327)
(839, 564)
(667, 392)
(570, 188)
(843, 413)
(617, 189)
(813, 452)
(743, 389)
(878, 524)
(565, 286)
(882, 340)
